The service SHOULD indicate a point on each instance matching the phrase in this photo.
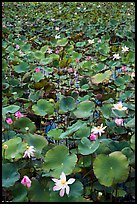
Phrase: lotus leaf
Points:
(9, 175)
(87, 147)
(65, 162)
(43, 107)
(111, 169)
(84, 109)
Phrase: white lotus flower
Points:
(29, 152)
(98, 129)
(56, 28)
(125, 49)
(91, 41)
(57, 36)
(119, 106)
(49, 51)
(62, 185)
(116, 56)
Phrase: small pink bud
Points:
(26, 181)
(70, 70)
(37, 69)
(9, 121)
(93, 137)
(119, 122)
(57, 51)
(17, 47)
(99, 41)
(77, 60)
(88, 58)
(124, 68)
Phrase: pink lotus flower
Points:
(77, 60)
(99, 41)
(26, 181)
(70, 70)
(18, 114)
(9, 121)
(93, 137)
(88, 58)
(17, 47)
(37, 69)
(124, 68)
(119, 122)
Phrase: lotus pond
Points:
(68, 101)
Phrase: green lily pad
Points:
(111, 169)
(72, 129)
(101, 77)
(55, 133)
(117, 113)
(82, 132)
(38, 192)
(38, 141)
(65, 162)
(120, 193)
(62, 42)
(38, 55)
(67, 104)
(19, 193)
(9, 175)
(106, 110)
(22, 67)
(37, 76)
(43, 107)
(84, 109)
(22, 124)
(87, 147)
(10, 109)
(130, 123)
(15, 149)
(132, 141)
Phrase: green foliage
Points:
(85, 52)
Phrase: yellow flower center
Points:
(5, 146)
(119, 106)
(63, 181)
(98, 127)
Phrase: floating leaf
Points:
(15, 149)
(43, 107)
(55, 134)
(37, 76)
(38, 192)
(62, 42)
(111, 169)
(38, 141)
(86, 146)
(10, 109)
(9, 175)
(22, 123)
(84, 109)
(65, 162)
(101, 77)
(22, 67)
(67, 103)
(72, 129)
(19, 193)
